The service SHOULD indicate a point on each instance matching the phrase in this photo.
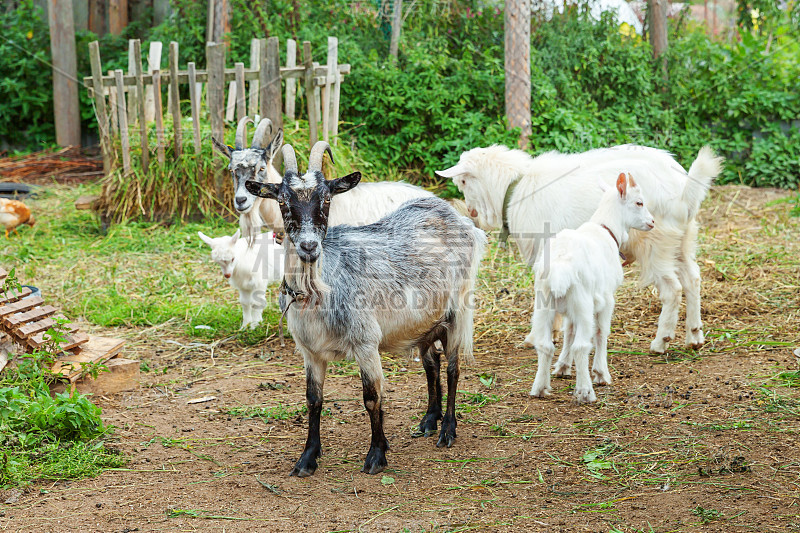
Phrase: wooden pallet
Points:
(26, 319)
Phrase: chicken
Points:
(13, 213)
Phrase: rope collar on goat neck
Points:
(616, 241)
(505, 232)
(295, 296)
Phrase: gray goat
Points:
(405, 281)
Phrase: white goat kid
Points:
(367, 204)
(248, 269)
(578, 278)
(534, 197)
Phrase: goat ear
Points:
(631, 181)
(262, 190)
(451, 172)
(622, 185)
(274, 146)
(205, 238)
(344, 184)
(222, 148)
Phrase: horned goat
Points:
(348, 292)
(534, 197)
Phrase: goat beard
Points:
(309, 282)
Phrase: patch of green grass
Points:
(706, 515)
(277, 412)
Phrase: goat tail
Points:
(461, 336)
(702, 173)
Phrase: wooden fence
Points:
(127, 103)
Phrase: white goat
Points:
(367, 204)
(534, 197)
(248, 269)
(578, 279)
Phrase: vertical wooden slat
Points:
(397, 23)
(194, 98)
(518, 66)
(117, 16)
(65, 67)
(123, 123)
(241, 94)
(100, 103)
(262, 78)
(215, 95)
(175, 98)
(313, 134)
(137, 60)
(337, 91)
(160, 143)
(255, 56)
(330, 85)
(291, 83)
(112, 105)
(318, 98)
(230, 107)
(133, 98)
(274, 108)
(153, 64)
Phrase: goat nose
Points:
(308, 247)
(240, 200)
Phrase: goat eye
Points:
(327, 200)
(640, 204)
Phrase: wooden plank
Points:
(117, 16)
(71, 341)
(65, 73)
(14, 295)
(175, 99)
(194, 99)
(291, 83)
(241, 94)
(333, 42)
(327, 89)
(19, 319)
(230, 75)
(123, 125)
(100, 104)
(42, 325)
(230, 108)
(3, 273)
(21, 305)
(158, 112)
(97, 17)
(313, 134)
(133, 105)
(143, 141)
(95, 350)
(215, 100)
(153, 64)
(255, 55)
(123, 374)
(111, 92)
(262, 79)
(274, 95)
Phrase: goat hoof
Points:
(562, 370)
(658, 346)
(585, 396)
(601, 378)
(447, 435)
(540, 391)
(307, 464)
(528, 342)
(375, 462)
(427, 427)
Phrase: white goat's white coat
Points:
(578, 278)
(557, 191)
(249, 270)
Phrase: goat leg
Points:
(315, 379)
(448, 434)
(431, 361)
(376, 457)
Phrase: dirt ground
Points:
(702, 441)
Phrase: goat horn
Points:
(317, 154)
(289, 159)
(259, 138)
(241, 133)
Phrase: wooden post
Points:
(100, 103)
(133, 98)
(308, 62)
(137, 61)
(218, 21)
(123, 124)
(158, 116)
(195, 101)
(215, 99)
(175, 98)
(518, 66)
(241, 93)
(330, 88)
(112, 105)
(291, 83)
(397, 24)
(65, 74)
(230, 107)
(273, 108)
(97, 17)
(255, 63)
(117, 16)
(262, 78)
(657, 14)
(153, 64)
